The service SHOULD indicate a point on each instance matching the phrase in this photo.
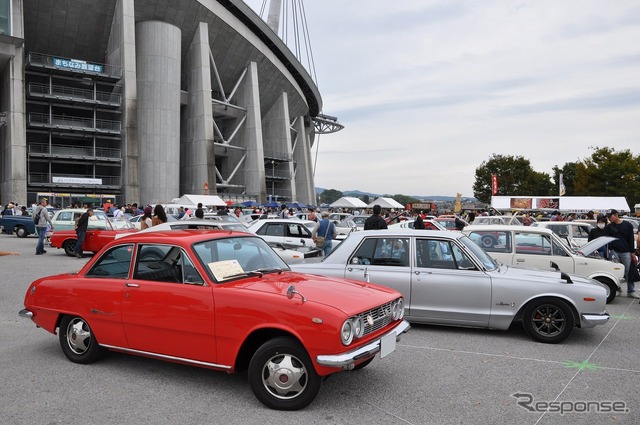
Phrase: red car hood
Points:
(347, 295)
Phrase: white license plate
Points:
(387, 344)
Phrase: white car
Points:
(408, 224)
(289, 232)
(499, 219)
(539, 248)
(577, 232)
(66, 219)
(191, 224)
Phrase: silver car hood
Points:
(534, 275)
(594, 245)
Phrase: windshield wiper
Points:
(268, 270)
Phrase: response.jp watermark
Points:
(527, 401)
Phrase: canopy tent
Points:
(250, 204)
(206, 200)
(296, 205)
(386, 203)
(348, 202)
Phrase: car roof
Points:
(506, 228)
(182, 236)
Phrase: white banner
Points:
(76, 180)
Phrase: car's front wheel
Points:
(282, 376)
(69, 247)
(610, 286)
(548, 320)
(77, 340)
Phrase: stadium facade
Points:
(146, 100)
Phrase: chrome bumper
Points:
(340, 360)
(591, 320)
(25, 313)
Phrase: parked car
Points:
(138, 218)
(449, 222)
(428, 224)
(447, 279)
(498, 219)
(540, 248)
(574, 231)
(223, 301)
(286, 231)
(99, 233)
(21, 225)
(66, 219)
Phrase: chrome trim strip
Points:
(25, 313)
(166, 357)
(340, 360)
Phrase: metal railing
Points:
(74, 93)
(74, 65)
(278, 174)
(73, 151)
(45, 178)
(74, 122)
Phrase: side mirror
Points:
(554, 266)
(303, 242)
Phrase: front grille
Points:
(381, 317)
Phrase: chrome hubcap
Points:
(78, 336)
(284, 376)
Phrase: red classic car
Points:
(99, 233)
(221, 300)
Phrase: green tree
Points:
(365, 199)
(609, 173)
(329, 196)
(569, 171)
(515, 177)
(405, 199)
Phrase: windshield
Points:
(236, 257)
(488, 262)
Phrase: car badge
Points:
(370, 320)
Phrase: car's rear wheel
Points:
(548, 320)
(282, 376)
(77, 340)
(610, 286)
(488, 241)
(69, 247)
(22, 232)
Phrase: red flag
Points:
(494, 184)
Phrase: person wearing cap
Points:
(42, 220)
(623, 246)
(326, 230)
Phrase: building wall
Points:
(169, 146)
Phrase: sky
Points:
(428, 90)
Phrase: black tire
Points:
(77, 340)
(282, 376)
(69, 247)
(364, 363)
(612, 288)
(488, 241)
(548, 320)
(21, 231)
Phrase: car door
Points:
(539, 250)
(167, 308)
(383, 260)
(272, 232)
(447, 287)
(296, 234)
(98, 234)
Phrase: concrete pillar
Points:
(158, 106)
(249, 97)
(121, 51)
(277, 137)
(13, 140)
(197, 149)
(305, 187)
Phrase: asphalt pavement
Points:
(437, 375)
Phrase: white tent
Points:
(386, 203)
(348, 202)
(206, 200)
(575, 204)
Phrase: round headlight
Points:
(400, 308)
(358, 326)
(347, 332)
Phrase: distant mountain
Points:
(360, 194)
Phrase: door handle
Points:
(417, 272)
(520, 260)
(132, 285)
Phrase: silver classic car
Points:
(447, 279)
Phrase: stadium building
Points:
(146, 100)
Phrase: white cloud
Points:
(428, 90)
